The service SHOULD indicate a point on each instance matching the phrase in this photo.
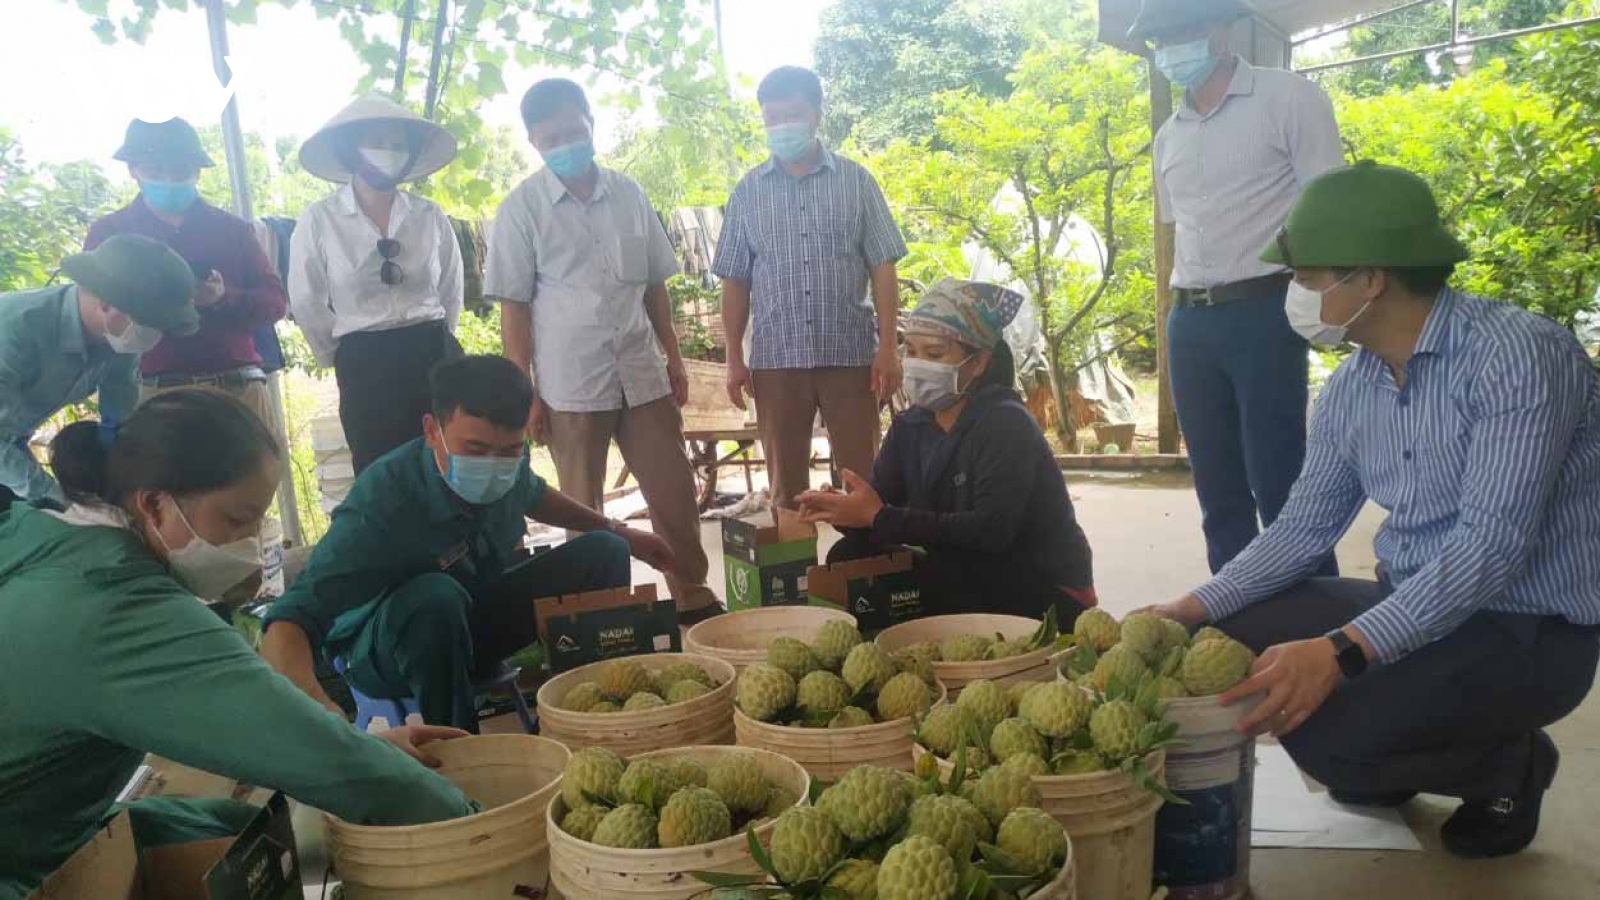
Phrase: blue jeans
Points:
(1239, 382)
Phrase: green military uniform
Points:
(104, 657)
(416, 590)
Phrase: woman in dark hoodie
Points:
(965, 475)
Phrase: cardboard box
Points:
(259, 864)
(585, 628)
(879, 591)
(766, 564)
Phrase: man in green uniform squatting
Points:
(419, 583)
(60, 345)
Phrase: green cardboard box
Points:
(879, 591)
(766, 562)
(586, 628)
(259, 864)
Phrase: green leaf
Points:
(758, 852)
(998, 861)
(814, 791)
(727, 879)
(491, 81)
(598, 800)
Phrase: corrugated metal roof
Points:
(1290, 17)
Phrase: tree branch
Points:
(989, 241)
(1109, 210)
(1132, 338)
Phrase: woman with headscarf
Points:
(965, 475)
(375, 275)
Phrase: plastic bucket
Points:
(1203, 849)
(495, 853)
(955, 676)
(741, 638)
(584, 871)
(707, 719)
(828, 753)
(1112, 824)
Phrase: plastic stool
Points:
(395, 711)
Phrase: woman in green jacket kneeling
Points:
(107, 653)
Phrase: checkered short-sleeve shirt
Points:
(807, 246)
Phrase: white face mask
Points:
(392, 163)
(135, 340)
(1304, 307)
(207, 569)
(932, 385)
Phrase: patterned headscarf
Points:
(971, 312)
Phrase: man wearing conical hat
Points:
(1476, 426)
(375, 276)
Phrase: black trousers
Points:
(1456, 717)
(383, 385)
(952, 586)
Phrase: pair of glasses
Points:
(390, 274)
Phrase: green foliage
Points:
(45, 210)
(688, 296)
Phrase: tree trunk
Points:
(1066, 418)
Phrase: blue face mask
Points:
(481, 480)
(790, 141)
(570, 160)
(1187, 65)
(171, 197)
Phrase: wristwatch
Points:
(1352, 659)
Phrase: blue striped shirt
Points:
(807, 246)
(1487, 461)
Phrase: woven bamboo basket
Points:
(495, 853)
(702, 721)
(741, 638)
(584, 871)
(1035, 666)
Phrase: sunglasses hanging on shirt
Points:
(390, 273)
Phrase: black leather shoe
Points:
(1376, 799)
(1480, 829)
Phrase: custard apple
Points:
(593, 770)
(975, 818)
(917, 869)
(868, 803)
(765, 691)
(1013, 736)
(740, 784)
(643, 701)
(1146, 634)
(1209, 633)
(581, 821)
(805, 844)
(852, 717)
(1029, 764)
(1032, 839)
(1098, 629)
(868, 668)
(793, 657)
(1055, 709)
(1177, 634)
(988, 703)
(694, 816)
(605, 706)
(822, 692)
(582, 697)
(905, 696)
(673, 673)
(1212, 666)
(1120, 663)
(630, 827)
(1169, 688)
(834, 641)
(964, 648)
(940, 819)
(946, 728)
(1172, 663)
(1008, 649)
(1079, 763)
(687, 772)
(1018, 690)
(999, 790)
(623, 678)
(779, 800)
(647, 782)
(1115, 729)
(685, 690)
(857, 879)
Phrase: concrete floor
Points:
(1148, 549)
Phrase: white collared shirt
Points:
(585, 268)
(1229, 178)
(335, 284)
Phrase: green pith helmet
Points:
(1365, 215)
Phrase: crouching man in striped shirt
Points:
(1476, 426)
